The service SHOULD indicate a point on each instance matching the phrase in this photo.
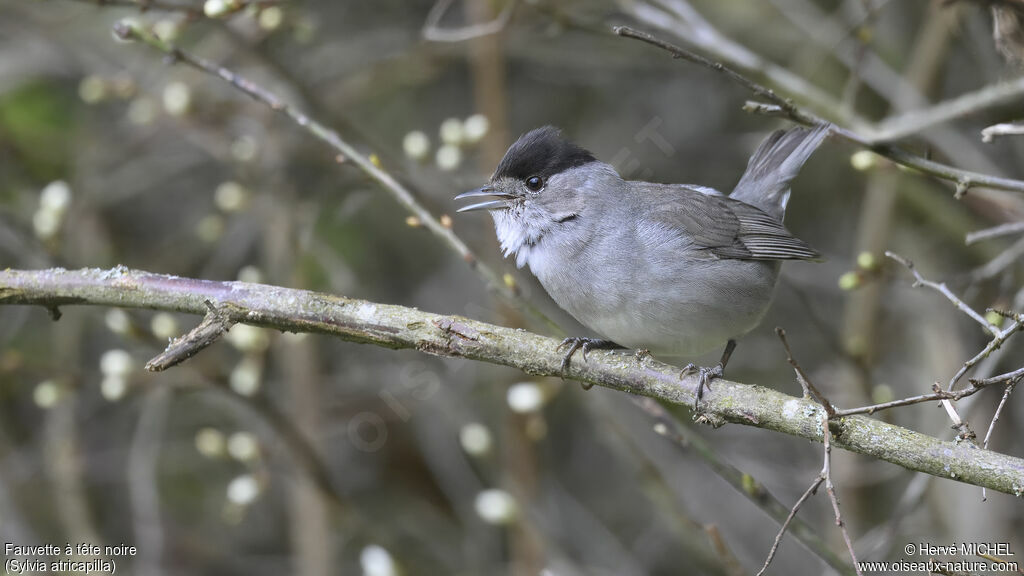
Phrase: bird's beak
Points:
(484, 192)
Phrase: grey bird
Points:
(673, 269)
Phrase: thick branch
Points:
(399, 327)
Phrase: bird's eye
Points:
(534, 183)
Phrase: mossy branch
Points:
(396, 327)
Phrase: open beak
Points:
(484, 192)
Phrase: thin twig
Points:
(214, 324)
(941, 288)
(964, 179)
(680, 434)
(911, 123)
(809, 390)
(830, 488)
(792, 514)
(190, 10)
(826, 472)
(130, 31)
(1005, 129)
(433, 31)
(995, 418)
(994, 232)
(1004, 260)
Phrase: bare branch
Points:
(393, 326)
(941, 288)
(432, 29)
(779, 105)
(130, 31)
(994, 232)
(680, 434)
(180, 349)
(1005, 129)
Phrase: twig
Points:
(677, 432)
(780, 105)
(995, 232)
(785, 105)
(214, 324)
(130, 31)
(993, 96)
(190, 10)
(938, 395)
(941, 288)
(992, 345)
(995, 418)
(1004, 260)
(1005, 129)
(826, 471)
(393, 326)
(432, 30)
(792, 514)
(809, 390)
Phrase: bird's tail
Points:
(773, 166)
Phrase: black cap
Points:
(541, 152)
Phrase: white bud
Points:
(377, 561)
(863, 160)
(448, 157)
(142, 111)
(416, 145)
(242, 446)
(210, 442)
(117, 321)
(46, 223)
(113, 387)
(271, 18)
(243, 490)
(216, 8)
(164, 326)
(475, 439)
(525, 397)
(248, 338)
(452, 131)
(476, 127)
(55, 197)
(496, 506)
(230, 196)
(46, 394)
(116, 363)
(245, 378)
(177, 98)
(92, 89)
(250, 274)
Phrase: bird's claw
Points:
(704, 377)
(584, 344)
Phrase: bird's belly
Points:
(678, 309)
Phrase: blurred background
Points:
(271, 453)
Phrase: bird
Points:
(668, 269)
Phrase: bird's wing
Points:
(722, 226)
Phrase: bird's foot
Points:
(642, 354)
(704, 377)
(586, 345)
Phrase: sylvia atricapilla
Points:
(673, 269)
